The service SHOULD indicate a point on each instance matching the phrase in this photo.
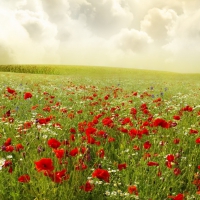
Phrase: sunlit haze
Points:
(156, 34)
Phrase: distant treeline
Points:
(32, 69)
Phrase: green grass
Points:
(94, 71)
(78, 88)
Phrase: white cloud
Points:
(159, 23)
(152, 34)
(136, 41)
(102, 18)
(6, 54)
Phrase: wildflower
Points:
(135, 147)
(198, 140)
(176, 141)
(177, 171)
(121, 166)
(176, 117)
(53, 143)
(161, 122)
(7, 114)
(177, 197)
(101, 174)
(11, 91)
(193, 131)
(101, 153)
(133, 111)
(27, 95)
(59, 176)
(74, 152)
(187, 108)
(132, 189)
(59, 153)
(151, 163)
(7, 142)
(87, 187)
(170, 158)
(147, 145)
(44, 164)
(108, 122)
(9, 148)
(24, 178)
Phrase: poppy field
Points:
(111, 137)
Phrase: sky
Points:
(145, 34)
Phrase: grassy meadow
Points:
(75, 132)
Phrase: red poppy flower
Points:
(111, 139)
(193, 131)
(146, 155)
(177, 171)
(161, 122)
(11, 91)
(132, 189)
(24, 178)
(59, 176)
(168, 164)
(151, 163)
(101, 153)
(101, 174)
(176, 117)
(7, 142)
(74, 152)
(34, 107)
(108, 122)
(53, 143)
(19, 147)
(198, 140)
(59, 153)
(133, 133)
(177, 197)
(126, 121)
(47, 109)
(90, 130)
(27, 95)
(133, 111)
(72, 130)
(121, 166)
(27, 125)
(90, 140)
(81, 165)
(7, 114)
(187, 108)
(143, 106)
(7, 163)
(176, 141)
(44, 120)
(9, 148)
(102, 134)
(135, 147)
(87, 187)
(147, 145)
(170, 157)
(157, 100)
(44, 164)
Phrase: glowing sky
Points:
(148, 34)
